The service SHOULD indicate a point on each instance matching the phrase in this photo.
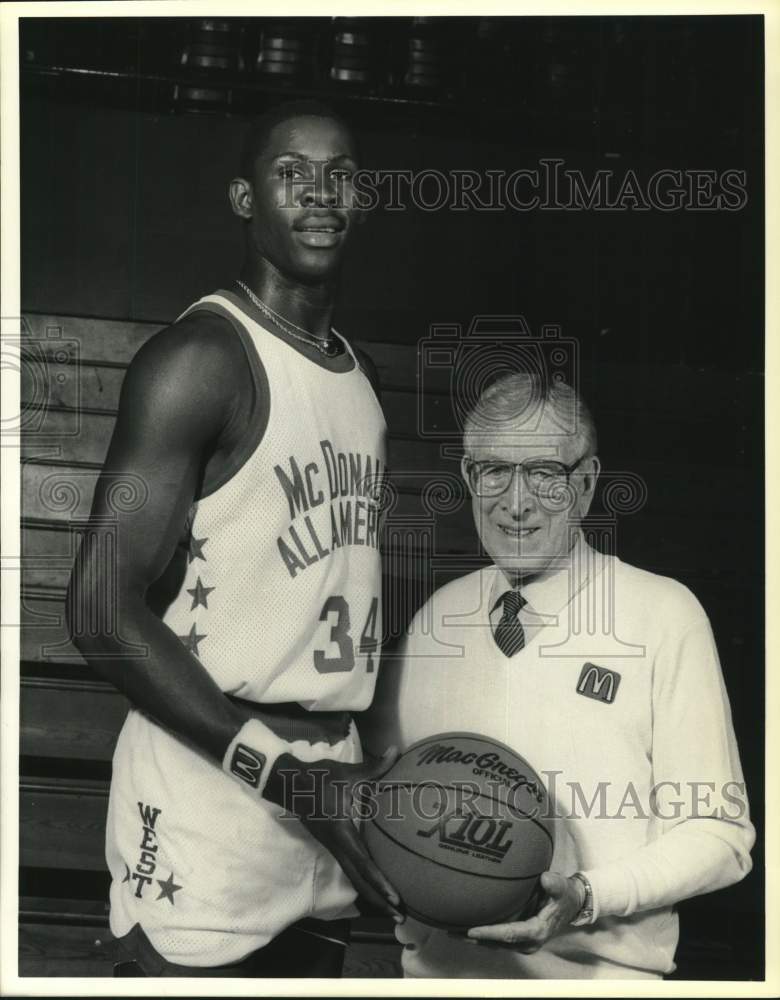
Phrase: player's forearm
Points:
(694, 857)
(148, 663)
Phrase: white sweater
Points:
(646, 779)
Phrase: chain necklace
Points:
(327, 347)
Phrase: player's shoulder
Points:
(198, 357)
(665, 598)
(198, 340)
(191, 370)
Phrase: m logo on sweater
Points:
(598, 683)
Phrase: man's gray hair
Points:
(519, 398)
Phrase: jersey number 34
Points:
(336, 607)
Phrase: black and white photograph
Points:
(385, 470)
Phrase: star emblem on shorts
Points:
(196, 549)
(199, 594)
(167, 888)
(192, 639)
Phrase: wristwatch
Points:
(585, 915)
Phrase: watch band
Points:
(585, 915)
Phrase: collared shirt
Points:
(546, 595)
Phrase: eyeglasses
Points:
(542, 477)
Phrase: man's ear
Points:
(240, 195)
(589, 477)
(464, 469)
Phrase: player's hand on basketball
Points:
(562, 899)
(325, 795)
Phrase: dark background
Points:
(124, 215)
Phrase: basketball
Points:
(461, 826)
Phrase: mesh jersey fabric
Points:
(281, 600)
(280, 603)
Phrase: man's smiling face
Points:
(302, 188)
(526, 530)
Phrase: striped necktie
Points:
(509, 634)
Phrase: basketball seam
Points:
(511, 808)
(460, 871)
(433, 922)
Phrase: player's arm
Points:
(174, 405)
(176, 401)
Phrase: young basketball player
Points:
(255, 442)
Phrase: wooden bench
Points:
(71, 377)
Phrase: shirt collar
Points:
(552, 590)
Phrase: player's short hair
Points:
(259, 131)
(518, 398)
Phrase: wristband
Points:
(251, 755)
(585, 914)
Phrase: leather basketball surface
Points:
(461, 826)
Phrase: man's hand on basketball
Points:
(561, 902)
(322, 794)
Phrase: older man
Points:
(605, 677)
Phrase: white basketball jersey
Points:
(281, 604)
(281, 600)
